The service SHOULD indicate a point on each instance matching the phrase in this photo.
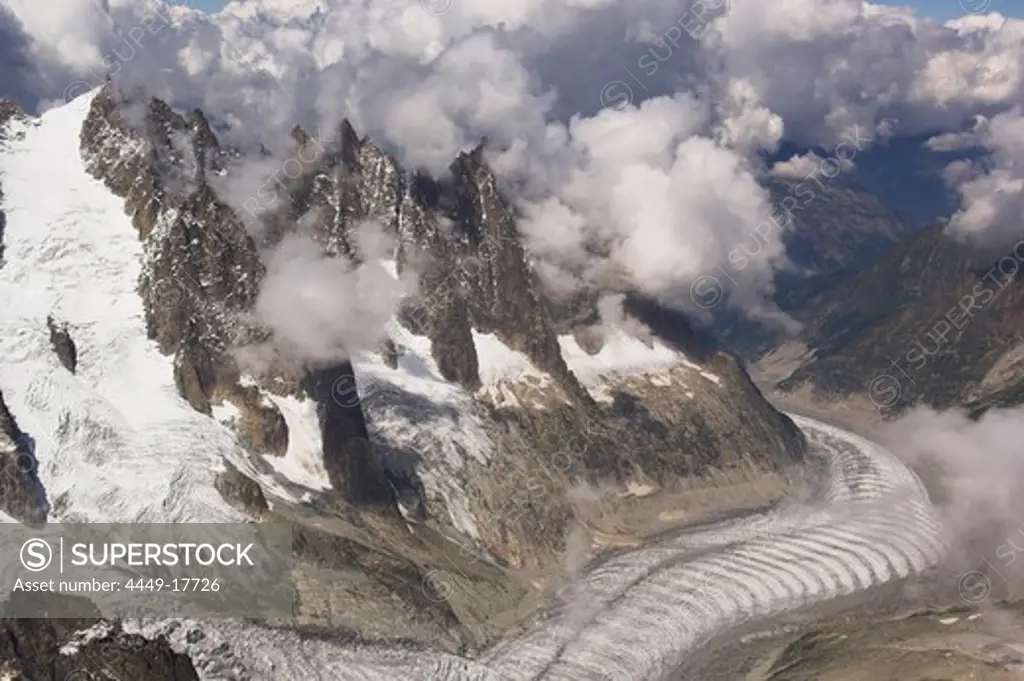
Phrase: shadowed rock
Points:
(241, 491)
(22, 494)
(63, 345)
(352, 464)
(66, 649)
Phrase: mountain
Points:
(480, 430)
(934, 321)
(890, 192)
(55, 649)
(834, 229)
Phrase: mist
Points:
(322, 310)
(974, 471)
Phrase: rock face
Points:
(933, 322)
(240, 491)
(63, 345)
(202, 269)
(8, 111)
(349, 456)
(486, 277)
(22, 495)
(424, 420)
(62, 649)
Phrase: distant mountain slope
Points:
(933, 321)
(834, 229)
(906, 173)
(893, 190)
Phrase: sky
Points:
(940, 10)
(207, 5)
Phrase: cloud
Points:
(645, 187)
(797, 166)
(17, 71)
(322, 310)
(959, 141)
(621, 128)
(976, 475)
(992, 192)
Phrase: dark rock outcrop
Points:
(262, 429)
(63, 345)
(3, 225)
(8, 111)
(241, 491)
(349, 457)
(389, 353)
(48, 649)
(22, 494)
(441, 310)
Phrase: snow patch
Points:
(303, 462)
(706, 374)
(82, 637)
(638, 489)
(226, 413)
(498, 362)
(620, 354)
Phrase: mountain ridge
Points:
(933, 322)
(474, 423)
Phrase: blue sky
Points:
(936, 9)
(947, 9)
(205, 5)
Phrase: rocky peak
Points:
(351, 145)
(341, 183)
(202, 273)
(207, 149)
(506, 298)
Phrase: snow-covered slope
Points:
(413, 408)
(115, 440)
